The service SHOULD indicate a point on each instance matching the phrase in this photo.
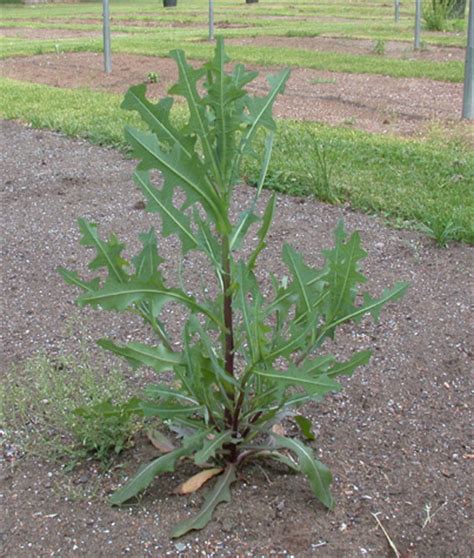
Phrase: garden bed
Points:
(396, 438)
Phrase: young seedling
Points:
(379, 47)
(247, 357)
(152, 77)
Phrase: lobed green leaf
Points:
(220, 493)
(319, 476)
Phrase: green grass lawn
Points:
(170, 28)
(413, 183)
(372, 20)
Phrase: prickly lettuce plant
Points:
(246, 358)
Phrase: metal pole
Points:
(106, 35)
(468, 101)
(397, 11)
(417, 24)
(211, 20)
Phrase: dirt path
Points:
(369, 102)
(396, 438)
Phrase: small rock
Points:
(139, 205)
(180, 547)
(280, 506)
(82, 479)
(227, 526)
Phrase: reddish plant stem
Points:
(229, 339)
(228, 322)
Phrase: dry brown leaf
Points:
(196, 481)
(160, 441)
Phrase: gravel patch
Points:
(396, 438)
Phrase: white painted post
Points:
(211, 20)
(468, 100)
(106, 35)
(417, 25)
(397, 11)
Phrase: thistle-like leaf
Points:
(72, 278)
(208, 242)
(218, 494)
(260, 108)
(166, 410)
(211, 446)
(347, 368)
(145, 475)
(108, 253)
(157, 116)
(198, 124)
(374, 305)
(253, 318)
(241, 76)
(260, 115)
(371, 306)
(263, 231)
(224, 380)
(343, 277)
(307, 284)
(222, 92)
(174, 220)
(162, 391)
(319, 476)
(178, 171)
(278, 456)
(138, 354)
(247, 218)
(147, 261)
(297, 339)
(305, 426)
(153, 292)
(313, 385)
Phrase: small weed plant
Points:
(379, 47)
(60, 408)
(442, 232)
(312, 162)
(436, 14)
(247, 358)
(152, 77)
(323, 81)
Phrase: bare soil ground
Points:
(373, 103)
(397, 438)
(392, 49)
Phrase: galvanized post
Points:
(106, 35)
(211, 20)
(397, 11)
(417, 25)
(468, 101)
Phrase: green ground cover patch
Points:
(412, 183)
